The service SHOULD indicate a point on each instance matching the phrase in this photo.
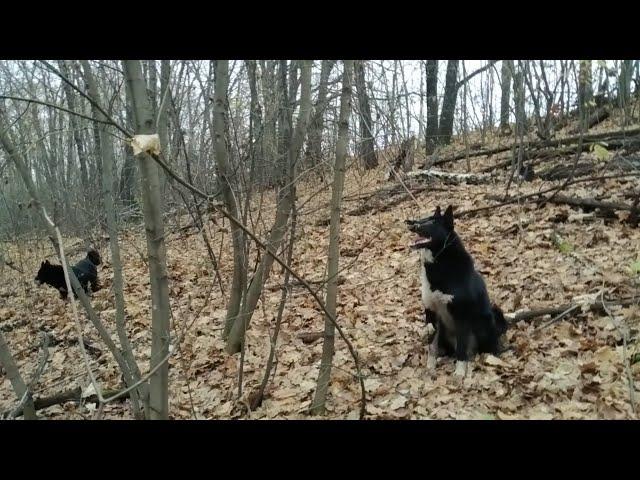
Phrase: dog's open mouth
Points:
(420, 242)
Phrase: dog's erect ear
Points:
(437, 212)
(94, 257)
(46, 262)
(448, 216)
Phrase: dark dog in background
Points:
(454, 294)
(85, 271)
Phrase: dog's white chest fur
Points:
(434, 300)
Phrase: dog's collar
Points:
(446, 244)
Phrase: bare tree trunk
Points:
(534, 94)
(154, 228)
(585, 92)
(13, 374)
(255, 136)
(108, 162)
(285, 117)
(128, 171)
(163, 116)
(255, 126)
(294, 83)
(269, 145)
(324, 375)
(448, 103)
(624, 88)
(286, 197)
(73, 120)
(489, 103)
(152, 86)
(392, 98)
(367, 152)
(314, 145)
(431, 139)
(421, 112)
(519, 102)
(405, 91)
(231, 202)
(507, 72)
(95, 169)
(465, 136)
(521, 126)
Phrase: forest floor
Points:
(574, 368)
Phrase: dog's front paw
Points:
(461, 369)
(431, 362)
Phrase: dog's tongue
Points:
(419, 241)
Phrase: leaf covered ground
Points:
(571, 369)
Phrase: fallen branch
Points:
(595, 306)
(558, 172)
(625, 163)
(585, 203)
(310, 337)
(540, 193)
(605, 136)
(588, 203)
(74, 395)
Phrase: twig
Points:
(558, 317)
(74, 309)
(57, 107)
(95, 104)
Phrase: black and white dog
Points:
(454, 294)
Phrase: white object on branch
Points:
(146, 143)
